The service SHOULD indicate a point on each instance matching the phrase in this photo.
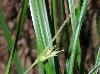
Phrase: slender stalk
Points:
(10, 43)
(36, 61)
(94, 69)
(19, 28)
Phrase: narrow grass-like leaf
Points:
(97, 61)
(57, 6)
(10, 42)
(94, 69)
(42, 31)
(54, 13)
(72, 13)
(74, 39)
(19, 28)
(78, 51)
(74, 22)
(58, 13)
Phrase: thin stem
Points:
(8, 65)
(94, 69)
(30, 67)
(64, 23)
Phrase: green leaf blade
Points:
(97, 61)
(10, 42)
(74, 39)
(42, 31)
(19, 28)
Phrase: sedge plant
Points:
(46, 48)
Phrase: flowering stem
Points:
(30, 67)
